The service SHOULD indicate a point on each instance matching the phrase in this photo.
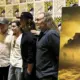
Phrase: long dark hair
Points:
(30, 25)
(49, 21)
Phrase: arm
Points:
(31, 54)
(29, 68)
(54, 41)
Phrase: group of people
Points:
(26, 54)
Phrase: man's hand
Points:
(29, 68)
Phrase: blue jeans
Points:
(14, 73)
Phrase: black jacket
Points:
(28, 48)
(47, 54)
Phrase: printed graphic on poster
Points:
(15, 1)
(70, 3)
(30, 8)
(22, 8)
(9, 11)
(48, 6)
(69, 60)
(57, 5)
(2, 2)
(9, 1)
(29, 0)
(39, 7)
(16, 10)
(2, 11)
(58, 21)
(21, 1)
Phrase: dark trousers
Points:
(25, 75)
(4, 73)
(33, 75)
(48, 78)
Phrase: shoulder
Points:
(28, 36)
(52, 33)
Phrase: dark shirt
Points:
(28, 52)
(47, 54)
(28, 48)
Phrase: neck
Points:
(17, 35)
(26, 28)
(45, 29)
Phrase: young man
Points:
(22, 50)
(47, 48)
(5, 40)
(26, 20)
(27, 24)
(15, 56)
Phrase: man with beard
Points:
(47, 54)
(21, 58)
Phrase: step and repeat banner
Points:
(12, 8)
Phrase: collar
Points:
(44, 32)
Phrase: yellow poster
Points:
(69, 60)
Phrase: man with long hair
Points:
(27, 24)
(47, 48)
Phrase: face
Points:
(40, 20)
(15, 28)
(3, 28)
